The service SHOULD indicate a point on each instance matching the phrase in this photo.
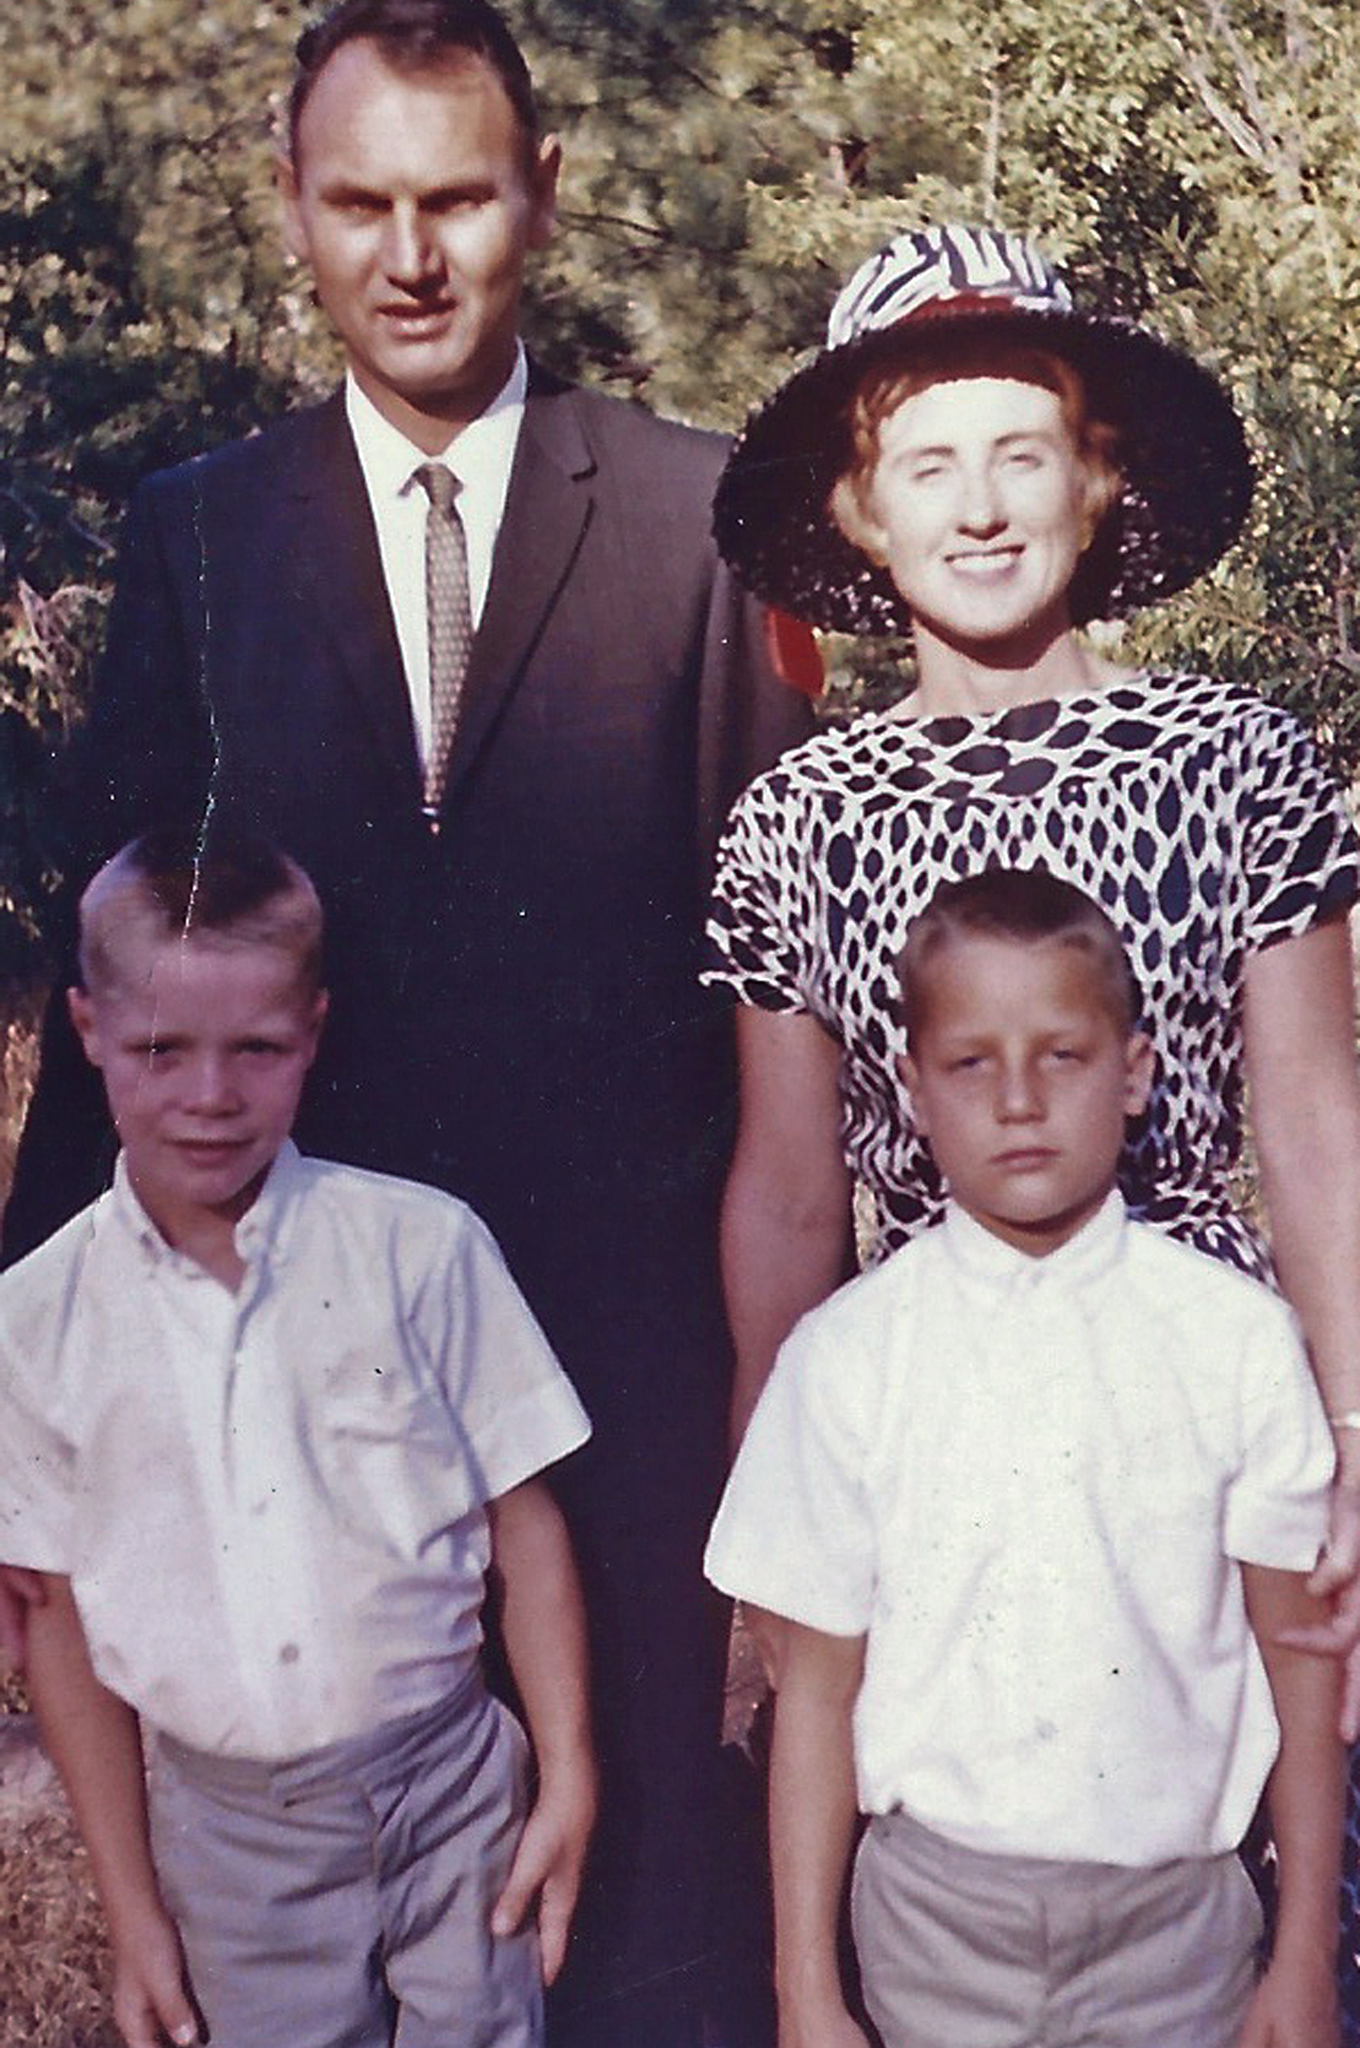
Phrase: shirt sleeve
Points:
(1300, 847)
(1276, 1512)
(37, 1474)
(794, 1531)
(516, 1409)
(754, 943)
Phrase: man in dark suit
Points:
(514, 924)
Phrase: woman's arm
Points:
(1295, 2003)
(93, 1739)
(1299, 1034)
(543, 1623)
(787, 1233)
(812, 1827)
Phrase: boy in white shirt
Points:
(266, 1424)
(1038, 1497)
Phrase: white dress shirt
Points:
(271, 1504)
(1027, 1480)
(481, 456)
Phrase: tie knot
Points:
(440, 485)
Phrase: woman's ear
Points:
(856, 521)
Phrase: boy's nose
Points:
(211, 1089)
(1019, 1098)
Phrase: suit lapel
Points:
(547, 510)
(341, 582)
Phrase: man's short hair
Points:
(193, 883)
(1027, 905)
(415, 35)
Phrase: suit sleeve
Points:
(143, 757)
(748, 713)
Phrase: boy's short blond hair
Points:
(1028, 906)
(216, 885)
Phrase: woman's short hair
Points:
(218, 884)
(1026, 905)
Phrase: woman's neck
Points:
(961, 681)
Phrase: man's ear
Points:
(1140, 1065)
(85, 1019)
(546, 172)
(290, 212)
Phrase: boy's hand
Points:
(548, 1864)
(1294, 2006)
(19, 1590)
(149, 1996)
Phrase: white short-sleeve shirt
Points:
(1029, 1481)
(272, 1504)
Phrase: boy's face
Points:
(1022, 1078)
(204, 1045)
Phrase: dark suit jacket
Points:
(515, 1011)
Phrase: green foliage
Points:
(1192, 161)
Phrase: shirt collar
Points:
(1093, 1250)
(262, 1231)
(485, 447)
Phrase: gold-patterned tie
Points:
(448, 612)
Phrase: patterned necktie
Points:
(448, 613)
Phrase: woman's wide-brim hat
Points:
(1187, 476)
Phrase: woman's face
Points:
(978, 507)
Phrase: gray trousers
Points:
(343, 1899)
(959, 1949)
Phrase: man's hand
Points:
(149, 1996)
(548, 1865)
(1294, 2006)
(1337, 1579)
(19, 1590)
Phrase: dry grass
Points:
(53, 1960)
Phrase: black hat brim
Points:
(1181, 450)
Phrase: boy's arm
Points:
(93, 1739)
(543, 1624)
(812, 1824)
(1295, 2002)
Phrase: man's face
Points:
(204, 1045)
(1021, 1077)
(415, 200)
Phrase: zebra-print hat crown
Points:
(941, 294)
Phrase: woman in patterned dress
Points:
(973, 459)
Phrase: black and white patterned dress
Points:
(1197, 814)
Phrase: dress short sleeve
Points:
(757, 940)
(1301, 852)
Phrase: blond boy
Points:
(266, 1426)
(1038, 1496)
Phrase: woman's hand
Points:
(1336, 1579)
